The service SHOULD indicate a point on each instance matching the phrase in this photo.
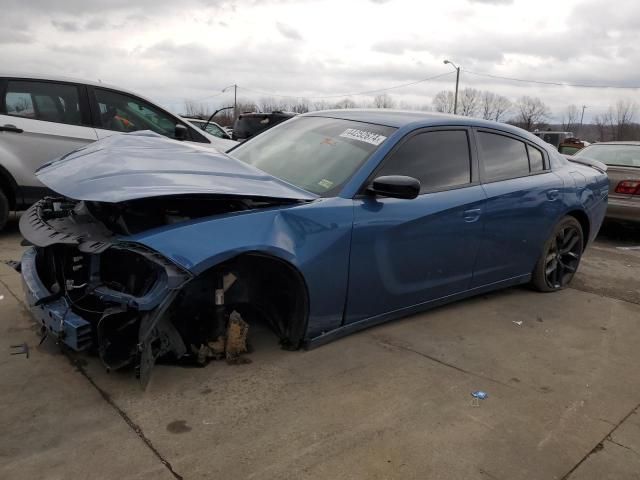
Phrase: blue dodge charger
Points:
(326, 224)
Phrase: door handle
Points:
(553, 195)
(471, 215)
(10, 128)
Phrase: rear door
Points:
(407, 252)
(41, 120)
(523, 203)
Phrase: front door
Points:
(407, 252)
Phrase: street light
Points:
(235, 99)
(455, 100)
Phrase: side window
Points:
(536, 160)
(124, 113)
(52, 102)
(502, 157)
(216, 131)
(438, 159)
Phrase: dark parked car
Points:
(324, 225)
(623, 161)
(248, 125)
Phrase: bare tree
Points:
(624, 114)
(443, 101)
(502, 105)
(193, 109)
(383, 101)
(493, 106)
(345, 103)
(321, 105)
(570, 118)
(469, 102)
(531, 113)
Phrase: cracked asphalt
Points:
(393, 401)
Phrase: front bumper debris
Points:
(94, 291)
(53, 316)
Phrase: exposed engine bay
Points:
(96, 292)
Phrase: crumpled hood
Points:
(144, 164)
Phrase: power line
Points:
(352, 94)
(542, 82)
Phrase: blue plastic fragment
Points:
(480, 394)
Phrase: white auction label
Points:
(363, 136)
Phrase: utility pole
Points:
(455, 98)
(235, 102)
(582, 118)
(235, 99)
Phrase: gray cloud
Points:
(66, 26)
(288, 31)
(13, 36)
(602, 47)
(492, 2)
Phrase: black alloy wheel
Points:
(561, 257)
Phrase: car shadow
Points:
(619, 232)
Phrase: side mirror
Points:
(181, 132)
(395, 186)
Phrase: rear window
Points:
(48, 101)
(615, 155)
(502, 157)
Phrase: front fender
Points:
(314, 237)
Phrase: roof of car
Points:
(61, 78)
(626, 142)
(400, 118)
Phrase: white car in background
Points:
(221, 137)
(44, 117)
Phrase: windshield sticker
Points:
(324, 183)
(367, 137)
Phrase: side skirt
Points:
(404, 312)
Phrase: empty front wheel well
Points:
(269, 287)
(583, 219)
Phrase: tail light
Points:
(629, 187)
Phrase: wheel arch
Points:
(585, 224)
(9, 186)
(271, 278)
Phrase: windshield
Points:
(621, 155)
(314, 153)
(567, 150)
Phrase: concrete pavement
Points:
(390, 402)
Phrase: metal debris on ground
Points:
(13, 264)
(229, 346)
(1, 297)
(480, 395)
(236, 343)
(517, 322)
(22, 349)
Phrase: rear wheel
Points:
(4, 210)
(560, 258)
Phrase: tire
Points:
(560, 257)
(4, 210)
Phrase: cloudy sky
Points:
(172, 50)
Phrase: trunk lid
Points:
(144, 164)
(619, 174)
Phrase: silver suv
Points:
(42, 118)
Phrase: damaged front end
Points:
(94, 291)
